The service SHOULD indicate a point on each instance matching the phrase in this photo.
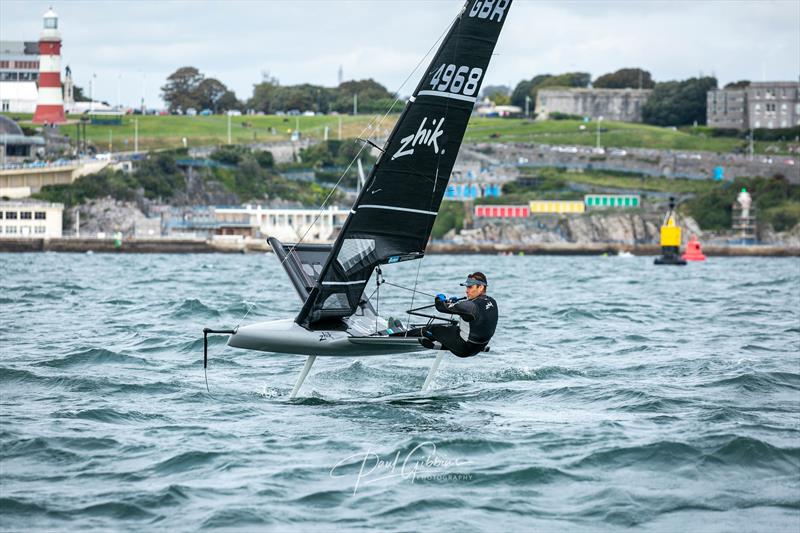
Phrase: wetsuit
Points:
(477, 320)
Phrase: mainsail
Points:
(392, 219)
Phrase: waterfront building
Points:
(502, 211)
(624, 105)
(609, 201)
(30, 220)
(557, 206)
(19, 71)
(287, 224)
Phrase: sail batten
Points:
(393, 216)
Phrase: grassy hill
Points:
(169, 132)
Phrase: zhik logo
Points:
(423, 137)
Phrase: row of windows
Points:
(774, 93)
(773, 107)
(13, 230)
(19, 76)
(24, 215)
(33, 65)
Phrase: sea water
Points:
(616, 393)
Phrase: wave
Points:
(195, 308)
(92, 356)
(759, 382)
(742, 451)
(186, 461)
(110, 416)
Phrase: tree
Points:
(496, 91)
(209, 92)
(678, 103)
(264, 96)
(626, 78)
(180, 91)
(78, 94)
(741, 84)
(372, 96)
(568, 79)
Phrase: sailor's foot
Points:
(427, 343)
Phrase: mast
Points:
(392, 218)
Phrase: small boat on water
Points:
(392, 218)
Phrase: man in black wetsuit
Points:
(477, 320)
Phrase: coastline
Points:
(167, 246)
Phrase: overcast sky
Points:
(135, 45)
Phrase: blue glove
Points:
(454, 299)
(441, 297)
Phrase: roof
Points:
(9, 127)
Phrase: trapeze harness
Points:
(477, 320)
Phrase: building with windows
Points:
(624, 105)
(726, 108)
(287, 224)
(30, 220)
(19, 61)
(768, 105)
(773, 104)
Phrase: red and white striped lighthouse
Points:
(50, 105)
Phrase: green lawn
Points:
(169, 132)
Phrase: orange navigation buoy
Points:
(693, 251)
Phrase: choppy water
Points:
(616, 394)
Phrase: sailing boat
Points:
(392, 218)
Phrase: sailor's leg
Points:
(432, 371)
(302, 376)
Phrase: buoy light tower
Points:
(670, 239)
(50, 104)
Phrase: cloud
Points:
(308, 40)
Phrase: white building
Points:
(30, 220)
(287, 224)
(18, 96)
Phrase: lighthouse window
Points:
(51, 23)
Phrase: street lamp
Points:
(599, 120)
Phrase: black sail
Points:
(392, 218)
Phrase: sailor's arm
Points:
(464, 308)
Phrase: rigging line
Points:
(407, 289)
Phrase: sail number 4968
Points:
(460, 80)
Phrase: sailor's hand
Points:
(441, 297)
(453, 299)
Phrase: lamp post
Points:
(599, 120)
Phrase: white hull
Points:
(286, 336)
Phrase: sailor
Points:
(477, 320)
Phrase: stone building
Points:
(726, 108)
(769, 105)
(624, 105)
(774, 104)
